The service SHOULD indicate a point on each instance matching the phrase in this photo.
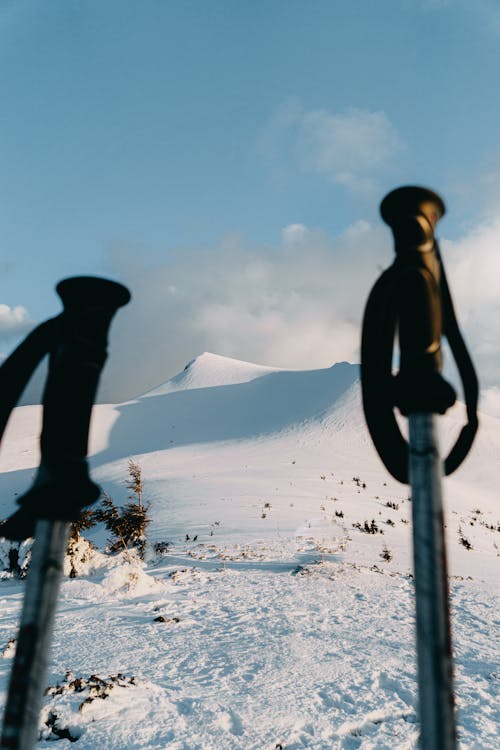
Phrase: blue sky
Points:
(226, 159)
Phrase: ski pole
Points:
(77, 340)
(420, 392)
(413, 296)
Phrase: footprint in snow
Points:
(231, 722)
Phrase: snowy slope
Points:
(209, 370)
(284, 624)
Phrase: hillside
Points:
(285, 622)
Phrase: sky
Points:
(226, 160)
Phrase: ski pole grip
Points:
(63, 486)
(76, 364)
(412, 299)
(412, 213)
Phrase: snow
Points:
(209, 370)
(273, 619)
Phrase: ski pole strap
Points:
(77, 355)
(412, 296)
(468, 377)
(18, 368)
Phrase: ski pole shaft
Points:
(435, 681)
(26, 687)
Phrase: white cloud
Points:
(349, 143)
(473, 268)
(298, 305)
(294, 233)
(14, 321)
(350, 148)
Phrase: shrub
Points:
(386, 554)
(79, 550)
(463, 539)
(368, 528)
(127, 525)
(390, 504)
(86, 521)
(15, 558)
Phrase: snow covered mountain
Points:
(263, 481)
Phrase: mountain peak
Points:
(210, 370)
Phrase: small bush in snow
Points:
(368, 528)
(357, 481)
(490, 526)
(134, 482)
(386, 554)
(161, 548)
(86, 521)
(463, 539)
(79, 549)
(71, 698)
(127, 525)
(80, 556)
(15, 558)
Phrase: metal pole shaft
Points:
(26, 686)
(435, 678)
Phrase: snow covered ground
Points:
(274, 620)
